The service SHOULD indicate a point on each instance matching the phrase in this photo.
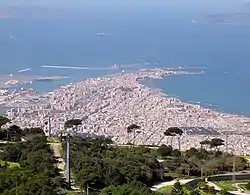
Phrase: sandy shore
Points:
(109, 104)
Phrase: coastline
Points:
(109, 104)
(205, 105)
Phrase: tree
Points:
(176, 153)
(3, 134)
(33, 132)
(126, 189)
(205, 143)
(191, 152)
(72, 123)
(98, 164)
(164, 150)
(3, 121)
(132, 129)
(35, 172)
(129, 131)
(179, 132)
(14, 133)
(168, 133)
(11, 153)
(177, 189)
(174, 131)
(216, 142)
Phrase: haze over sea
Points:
(153, 33)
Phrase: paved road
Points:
(169, 183)
(238, 193)
(237, 185)
(184, 181)
(6, 142)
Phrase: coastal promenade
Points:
(109, 104)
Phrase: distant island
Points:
(230, 18)
(11, 11)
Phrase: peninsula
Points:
(230, 18)
(109, 104)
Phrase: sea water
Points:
(149, 33)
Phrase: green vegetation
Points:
(165, 190)
(53, 140)
(3, 121)
(172, 132)
(12, 134)
(213, 143)
(246, 157)
(193, 162)
(245, 186)
(132, 129)
(107, 168)
(72, 123)
(177, 189)
(226, 185)
(200, 189)
(104, 168)
(9, 164)
(125, 189)
(28, 167)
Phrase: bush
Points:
(164, 150)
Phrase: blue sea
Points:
(159, 33)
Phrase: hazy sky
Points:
(125, 3)
(128, 6)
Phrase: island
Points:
(229, 18)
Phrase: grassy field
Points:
(227, 185)
(10, 164)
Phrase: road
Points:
(211, 184)
(169, 183)
(238, 193)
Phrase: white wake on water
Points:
(76, 67)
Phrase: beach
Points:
(109, 104)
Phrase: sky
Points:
(126, 7)
(127, 3)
